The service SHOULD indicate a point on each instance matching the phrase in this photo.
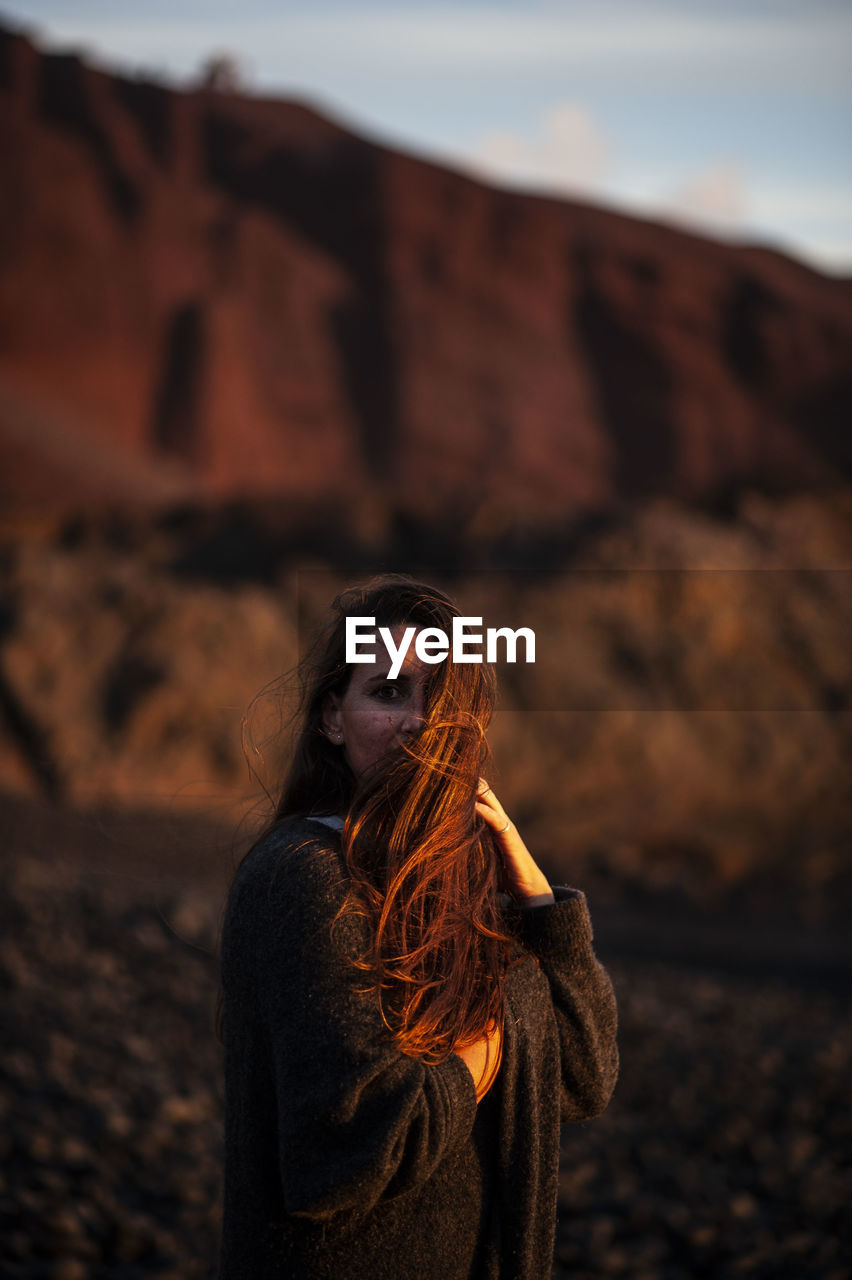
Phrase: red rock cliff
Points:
(210, 294)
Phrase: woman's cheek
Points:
(383, 731)
(383, 727)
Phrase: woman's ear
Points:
(332, 720)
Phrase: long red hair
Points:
(424, 868)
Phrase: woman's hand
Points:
(522, 877)
(482, 1059)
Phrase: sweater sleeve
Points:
(356, 1119)
(560, 936)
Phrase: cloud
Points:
(810, 220)
(568, 152)
(713, 200)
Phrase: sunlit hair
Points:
(424, 867)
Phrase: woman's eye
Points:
(386, 692)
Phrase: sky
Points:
(733, 117)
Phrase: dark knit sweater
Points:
(343, 1157)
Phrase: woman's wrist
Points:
(530, 880)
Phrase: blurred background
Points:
(551, 305)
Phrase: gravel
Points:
(725, 1151)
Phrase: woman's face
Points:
(376, 713)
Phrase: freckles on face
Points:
(376, 713)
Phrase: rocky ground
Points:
(725, 1151)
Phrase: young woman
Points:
(409, 1009)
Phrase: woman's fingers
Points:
(489, 807)
(497, 821)
(485, 812)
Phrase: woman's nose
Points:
(414, 715)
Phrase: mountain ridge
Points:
(243, 296)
